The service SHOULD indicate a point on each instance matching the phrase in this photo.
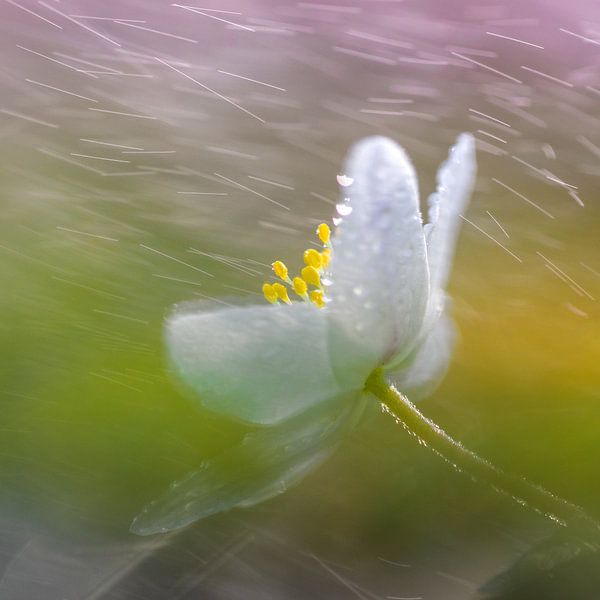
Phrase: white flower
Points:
(300, 370)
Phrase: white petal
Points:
(421, 373)
(260, 364)
(265, 464)
(455, 181)
(379, 268)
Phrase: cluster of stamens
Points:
(307, 285)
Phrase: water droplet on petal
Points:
(344, 180)
(343, 209)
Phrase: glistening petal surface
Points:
(260, 364)
(265, 464)
(455, 181)
(423, 371)
(379, 268)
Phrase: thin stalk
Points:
(518, 488)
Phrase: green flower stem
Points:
(519, 489)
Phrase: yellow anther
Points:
(281, 293)
(313, 258)
(317, 298)
(270, 293)
(324, 233)
(311, 276)
(300, 287)
(280, 270)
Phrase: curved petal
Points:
(455, 180)
(260, 364)
(265, 464)
(380, 281)
(424, 370)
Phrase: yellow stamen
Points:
(324, 233)
(281, 270)
(281, 293)
(311, 276)
(270, 293)
(317, 298)
(300, 287)
(313, 258)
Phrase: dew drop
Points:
(343, 209)
(344, 180)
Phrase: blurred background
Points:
(154, 153)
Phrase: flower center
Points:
(310, 275)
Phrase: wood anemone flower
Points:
(373, 299)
